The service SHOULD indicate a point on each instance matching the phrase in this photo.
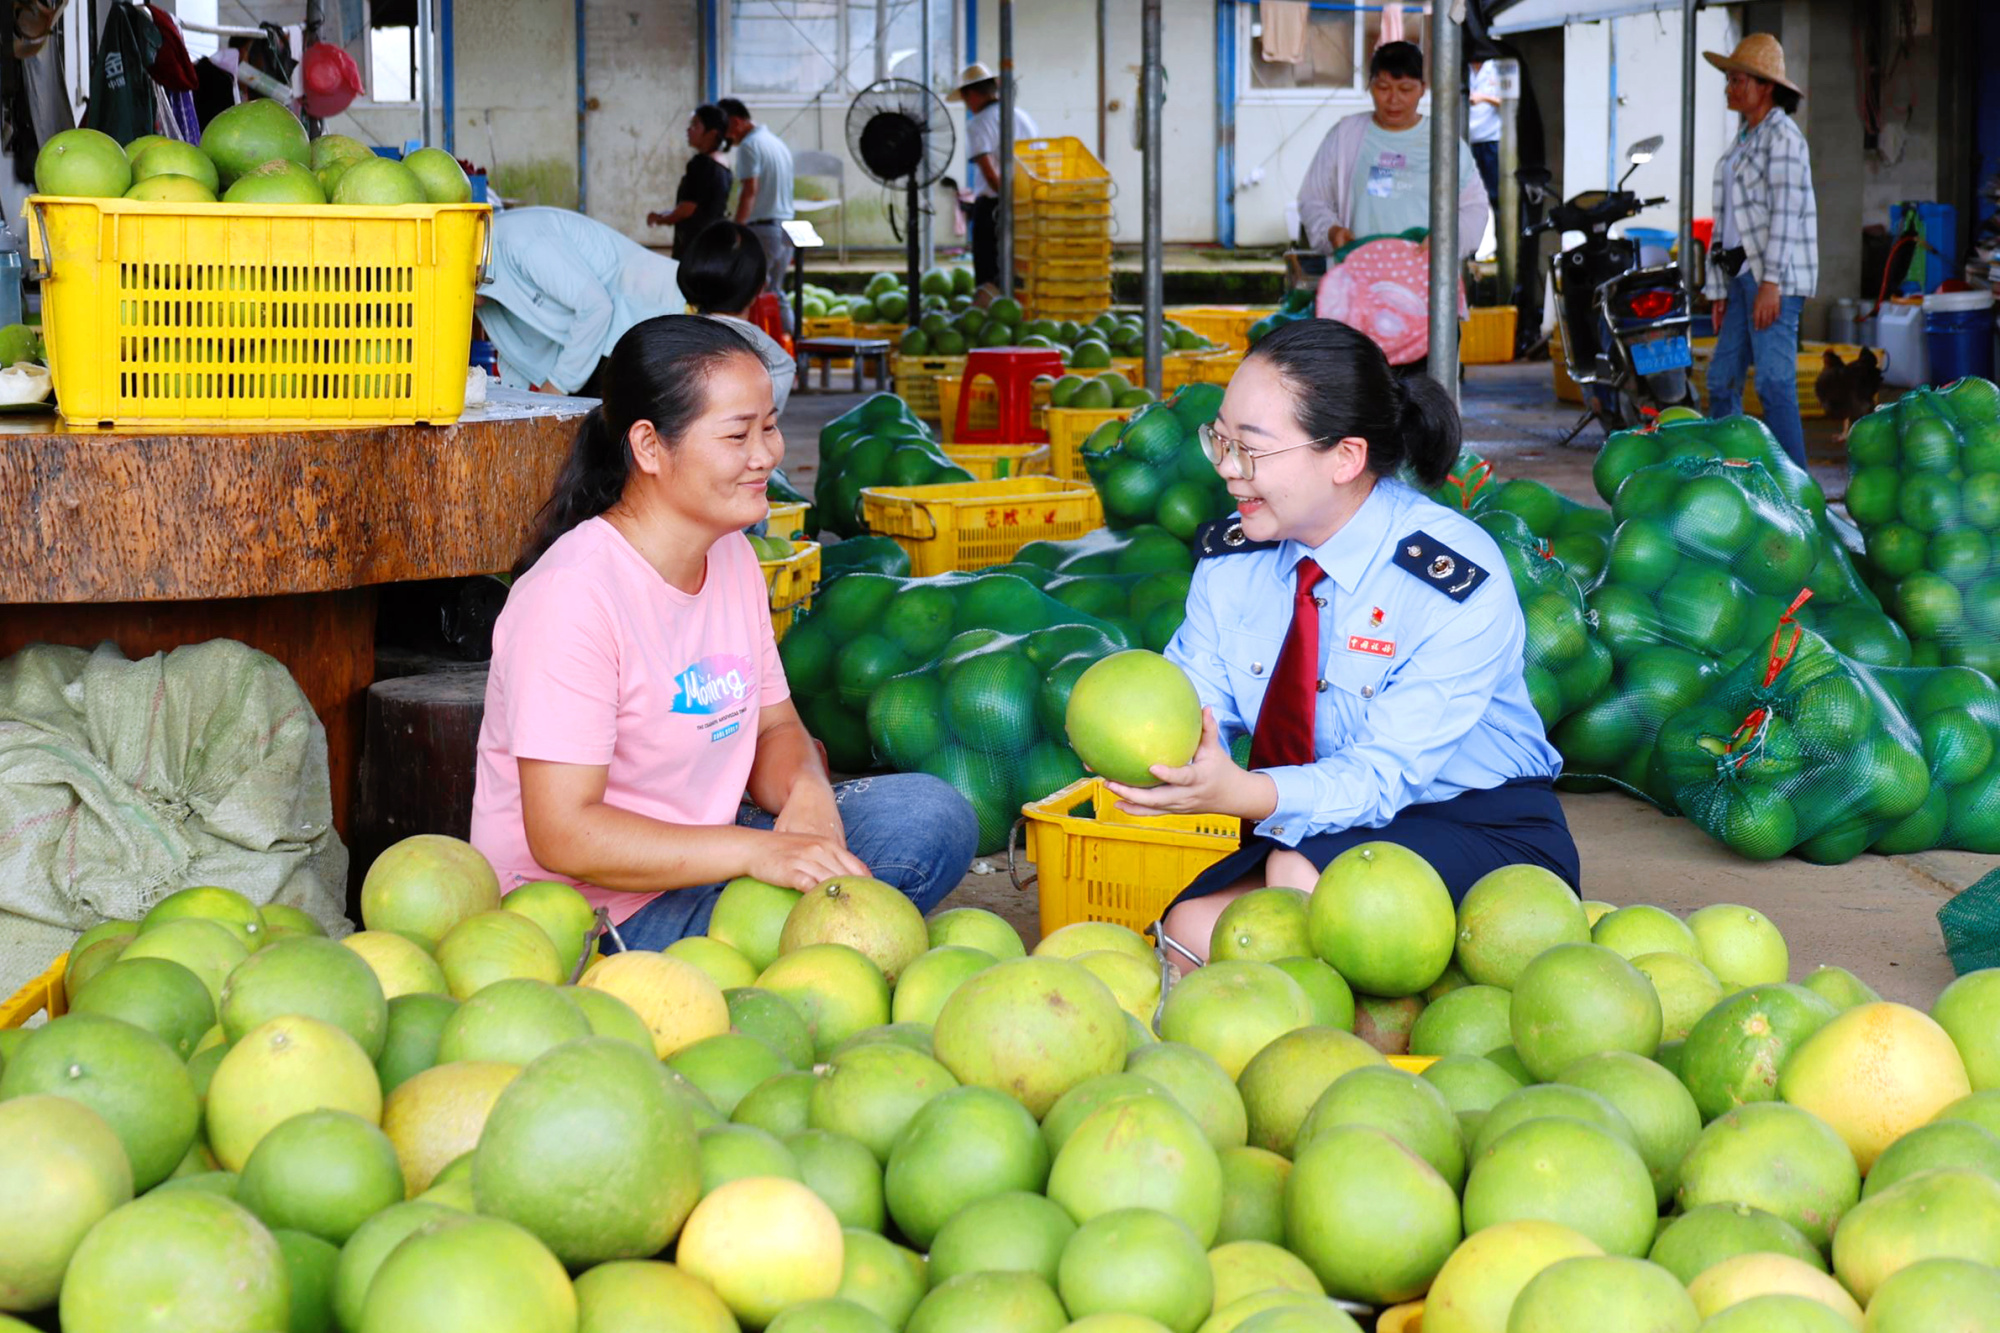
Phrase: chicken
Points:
(1847, 389)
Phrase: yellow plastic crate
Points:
(787, 522)
(1059, 169)
(1567, 390)
(893, 332)
(1227, 326)
(1037, 249)
(916, 377)
(1107, 865)
(248, 314)
(791, 583)
(1092, 286)
(42, 995)
(991, 462)
(1081, 309)
(1035, 268)
(1810, 363)
(1486, 337)
(1216, 367)
(1053, 221)
(1069, 427)
(985, 410)
(968, 525)
(826, 326)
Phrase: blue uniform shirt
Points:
(1421, 693)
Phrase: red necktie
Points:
(1284, 733)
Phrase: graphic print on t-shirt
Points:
(715, 683)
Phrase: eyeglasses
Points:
(1217, 446)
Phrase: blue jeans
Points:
(1775, 354)
(913, 832)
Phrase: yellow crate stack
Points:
(791, 583)
(1062, 230)
(969, 525)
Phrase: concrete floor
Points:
(1875, 915)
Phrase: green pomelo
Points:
(931, 977)
(830, 1315)
(1032, 1028)
(1653, 1102)
(1008, 1233)
(279, 182)
(1283, 1082)
(1640, 929)
(1603, 1293)
(62, 1170)
(647, 1296)
(511, 1022)
(880, 1275)
(764, 1244)
(976, 928)
(778, 1104)
(1331, 997)
(1243, 1309)
(864, 914)
(1478, 1285)
(208, 950)
(1233, 1010)
(843, 1173)
(435, 1118)
(1470, 1082)
(1398, 1103)
(324, 1173)
(1936, 1296)
(400, 965)
(871, 1093)
(749, 916)
(1385, 1024)
(1135, 985)
(1243, 1267)
(1578, 999)
(771, 1019)
(1470, 1020)
(1740, 946)
(987, 1302)
(1695, 1241)
(1200, 1085)
(1951, 1213)
(1262, 926)
(494, 946)
(835, 988)
(330, 148)
(1510, 916)
(379, 182)
(479, 1273)
(1382, 917)
(1373, 1219)
(738, 1152)
(225, 907)
(183, 1259)
(727, 1067)
(1542, 1100)
(287, 1066)
(1090, 1096)
(363, 1254)
(1569, 1172)
(82, 164)
(1779, 1312)
(1130, 711)
(1938, 1145)
(610, 1016)
(1143, 1153)
(590, 1151)
(1981, 1108)
(426, 884)
(309, 1268)
(307, 976)
(1253, 1196)
(564, 915)
(1687, 990)
(130, 1078)
(155, 994)
(1778, 1158)
(1081, 937)
(410, 1041)
(1137, 1261)
(1735, 1051)
(1969, 1010)
(249, 134)
(438, 173)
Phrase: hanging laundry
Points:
(121, 90)
(171, 67)
(1284, 24)
(1392, 24)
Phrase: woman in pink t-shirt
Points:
(639, 739)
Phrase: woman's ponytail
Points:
(1342, 387)
(1430, 429)
(658, 372)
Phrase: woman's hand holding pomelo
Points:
(803, 861)
(1209, 784)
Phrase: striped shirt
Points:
(1764, 183)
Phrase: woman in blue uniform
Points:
(1368, 639)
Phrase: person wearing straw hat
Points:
(979, 88)
(1766, 261)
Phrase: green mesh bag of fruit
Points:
(1798, 748)
(965, 676)
(1151, 468)
(1956, 713)
(877, 442)
(1923, 485)
(1567, 665)
(1578, 534)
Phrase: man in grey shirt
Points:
(764, 201)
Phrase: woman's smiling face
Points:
(1296, 494)
(718, 472)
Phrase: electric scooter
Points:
(1624, 327)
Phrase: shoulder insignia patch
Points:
(1225, 537)
(1431, 562)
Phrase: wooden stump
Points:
(418, 757)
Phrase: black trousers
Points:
(985, 224)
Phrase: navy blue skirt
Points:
(1519, 822)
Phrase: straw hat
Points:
(976, 72)
(1758, 55)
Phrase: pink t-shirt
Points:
(599, 660)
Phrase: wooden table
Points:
(154, 539)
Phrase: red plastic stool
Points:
(1013, 371)
(768, 314)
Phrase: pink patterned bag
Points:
(1381, 287)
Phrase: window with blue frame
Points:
(804, 50)
(1296, 46)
